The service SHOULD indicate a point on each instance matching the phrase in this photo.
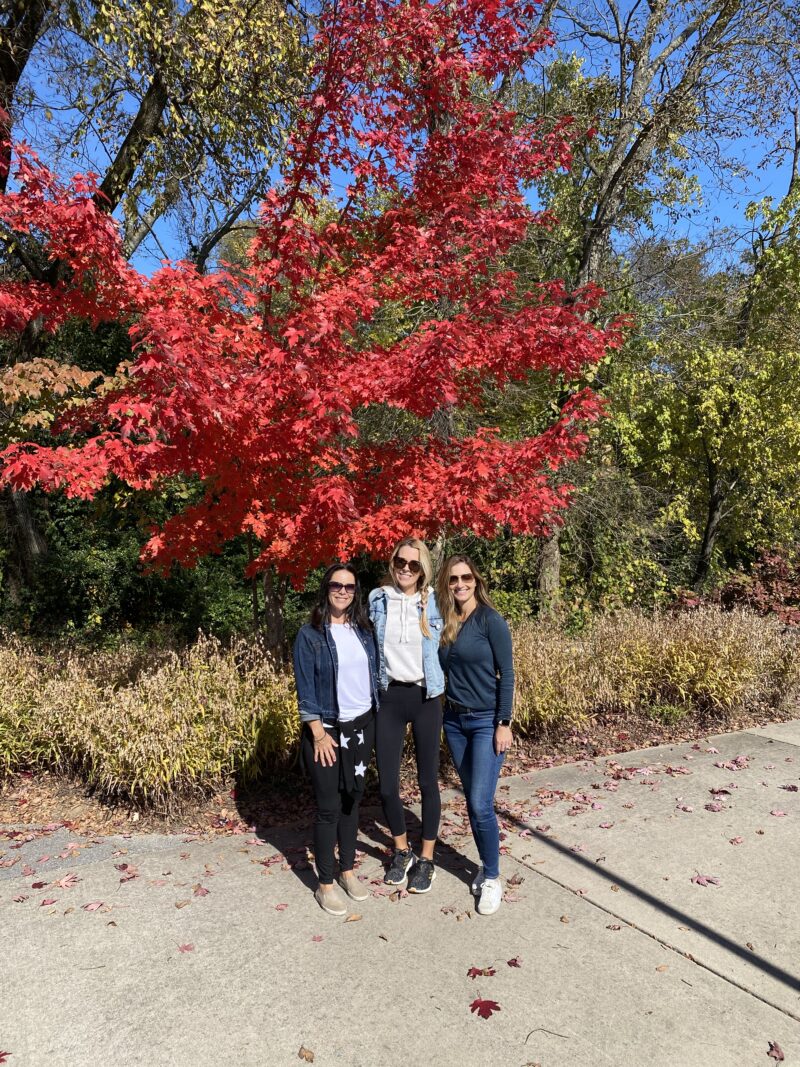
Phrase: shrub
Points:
(148, 728)
(707, 662)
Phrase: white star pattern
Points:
(344, 741)
(360, 738)
(360, 770)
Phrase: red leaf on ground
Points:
(28, 871)
(201, 891)
(705, 879)
(775, 1052)
(39, 885)
(185, 948)
(478, 972)
(318, 937)
(281, 907)
(47, 902)
(93, 905)
(484, 1008)
(776, 811)
(20, 898)
(67, 882)
(714, 805)
(606, 825)
(128, 871)
(788, 788)
(516, 962)
(4, 1057)
(736, 841)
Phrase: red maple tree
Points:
(261, 382)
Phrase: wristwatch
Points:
(504, 722)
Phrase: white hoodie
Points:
(402, 643)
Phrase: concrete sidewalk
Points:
(213, 951)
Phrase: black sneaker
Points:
(398, 868)
(421, 878)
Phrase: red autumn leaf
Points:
(185, 948)
(705, 879)
(714, 805)
(129, 872)
(515, 962)
(776, 1052)
(28, 871)
(478, 972)
(736, 840)
(4, 1057)
(201, 891)
(47, 902)
(778, 812)
(39, 885)
(20, 898)
(69, 881)
(281, 907)
(318, 937)
(484, 1008)
(93, 905)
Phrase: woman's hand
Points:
(325, 749)
(503, 739)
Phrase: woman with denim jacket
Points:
(476, 654)
(336, 673)
(407, 628)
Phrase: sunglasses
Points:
(400, 563)
(342, 587)
(461, 579)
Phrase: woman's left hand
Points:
(503, 739)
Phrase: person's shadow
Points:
(279, 809)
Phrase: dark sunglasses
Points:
(455, 579)
(413, 565)
(342, 587)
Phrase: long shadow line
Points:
(753, 959)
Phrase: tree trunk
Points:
(549, 578)
(716, 501)
(27, 546)
(274, 627)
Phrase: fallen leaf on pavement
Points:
(4, 1057)
(705, 879)
(67, 882)
(201, 891)
(480, 972)
(515, 962)
(305, 1054)
(39, 885)
(182, 903)
(185, 948)
(775, 1052)
(778, 812)
(484, 1008)
(613, 926)
(281, 907)
(93, 905)
(736, 841)
(128, 871)
(317, 937)
(353, 918)
(662, 967)
(564, 918)
(46, 903)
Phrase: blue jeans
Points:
(470, 737)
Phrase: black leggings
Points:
(336, 817)
(401, 705)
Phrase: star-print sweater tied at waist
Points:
(355, 739)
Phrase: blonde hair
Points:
(447, 602)
(425, 579)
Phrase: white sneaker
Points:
(477, 881)
(491, 895)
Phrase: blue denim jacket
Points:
(316, 671)
(434, 675)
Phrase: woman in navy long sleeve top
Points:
(476, 655)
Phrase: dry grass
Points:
(706, 662)
(146, 728)
(155, 727)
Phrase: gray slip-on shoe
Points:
(331, 900)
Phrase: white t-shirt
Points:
(352, 685)
(402, 642)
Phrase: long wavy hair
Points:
(447, 602)
(321, 611)
(425, 579)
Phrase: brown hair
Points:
(446, 600)
(424, 580)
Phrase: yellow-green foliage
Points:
(147, 728)
(708, 662)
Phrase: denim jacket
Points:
(316, 671)
(434, 675)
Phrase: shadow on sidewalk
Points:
(745, 954)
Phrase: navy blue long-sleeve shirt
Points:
(479, 663)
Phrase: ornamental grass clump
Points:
(705, 663)
(181, 725)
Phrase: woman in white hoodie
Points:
(408, 625)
